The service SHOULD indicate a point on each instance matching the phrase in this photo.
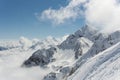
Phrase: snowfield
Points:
(104, 66)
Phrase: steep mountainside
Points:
(104, 66)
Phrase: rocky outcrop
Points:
(61, 75)
(51, 76)
(3, 48)
(40, 57)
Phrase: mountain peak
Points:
(86, 31)
(88, 28)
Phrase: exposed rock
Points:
(3, 48)
(40, 57)
(50, 76)
(65, 70)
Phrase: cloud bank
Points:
(71, 11)
(104, 14)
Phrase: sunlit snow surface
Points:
(104, 66)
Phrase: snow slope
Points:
(82, 67)
(104, 66)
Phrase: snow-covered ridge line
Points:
(92, 64)
(101, 42)
(26, 43)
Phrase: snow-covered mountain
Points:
(47, 42)
(78, 43)
(25, 43)
(86, 54)
(5, 45)
(104, 66)
(78, 48)
(14, 53)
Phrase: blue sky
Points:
(17, 18)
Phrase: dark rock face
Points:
(3, 48)
(65, 70)
(40, 57)
(50, 76)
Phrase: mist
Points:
(10, 66)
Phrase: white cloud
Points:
(26, 43)
(104, 14)
(71, 11)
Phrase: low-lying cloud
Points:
(104, 14)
